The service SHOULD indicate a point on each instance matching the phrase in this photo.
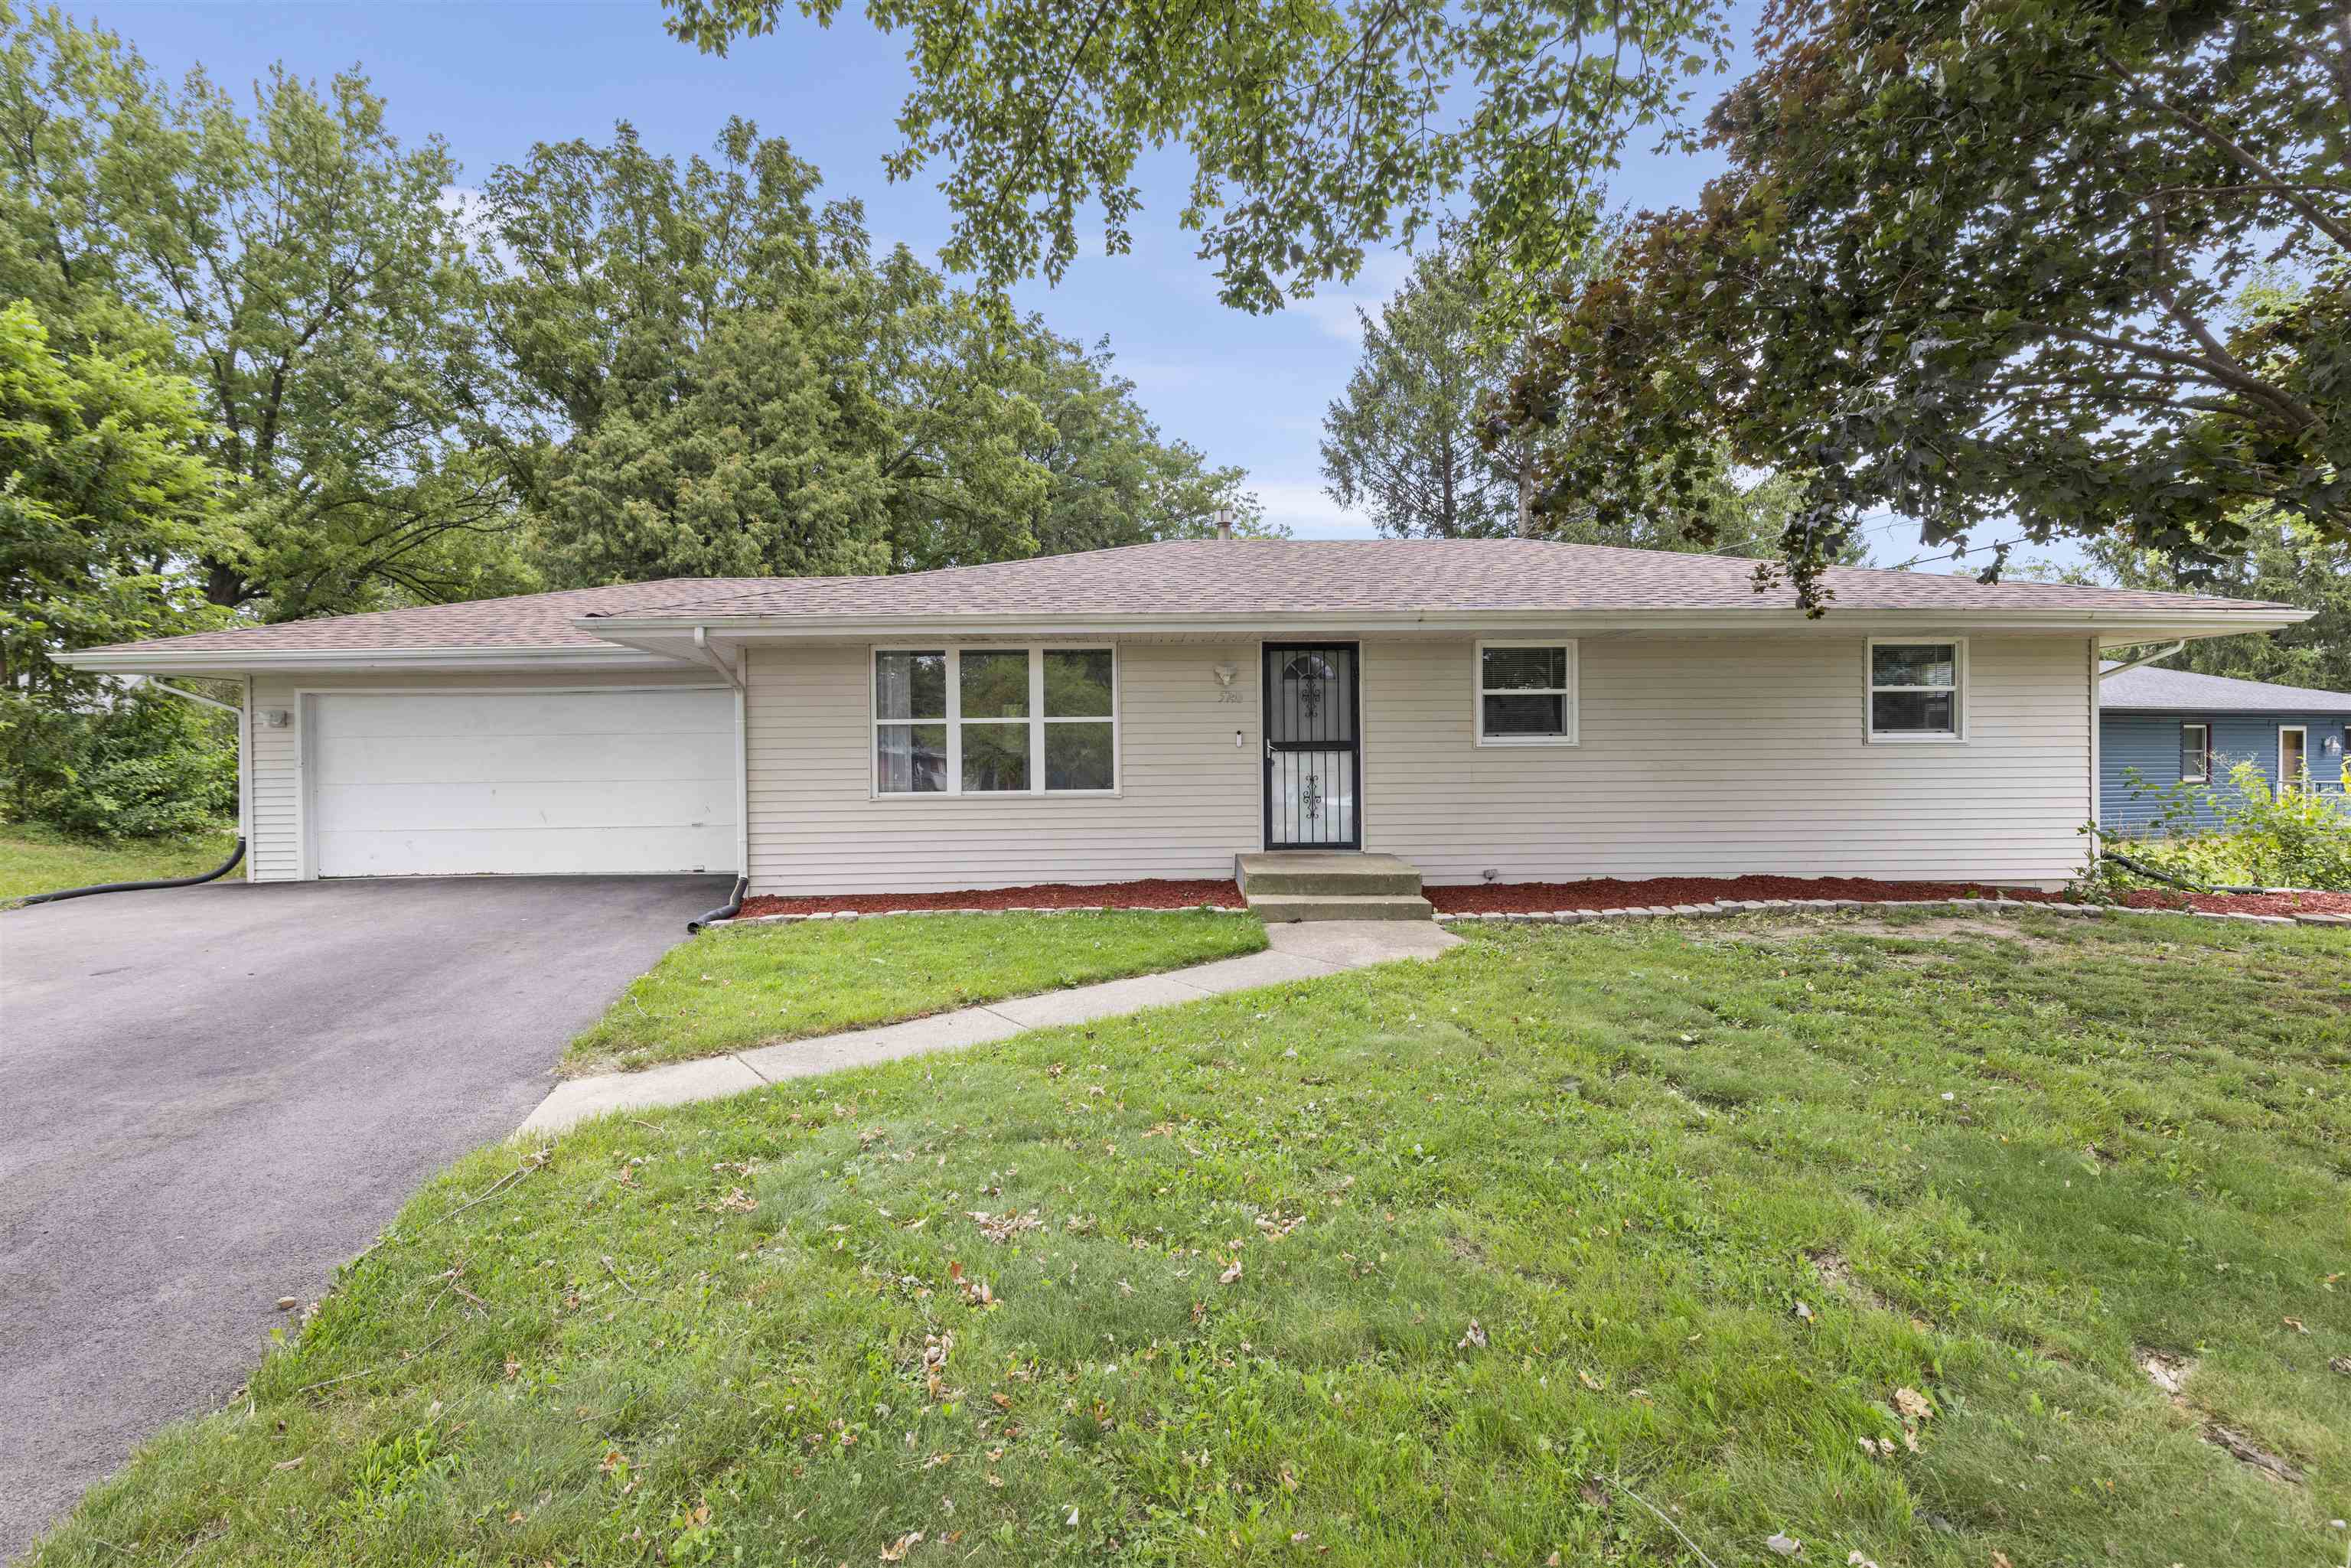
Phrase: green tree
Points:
(1420, 439)
(310, 278)
(1315, 130)
(106, 502)
(1977, 264)
(1112, 478)
(2286, 560)
(724, 380)
(1406, 442)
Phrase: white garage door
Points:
(454, 783)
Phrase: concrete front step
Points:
(1276, 908)
(1295, 873)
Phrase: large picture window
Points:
(1526, 693)
(1917, 691)
(995, 721)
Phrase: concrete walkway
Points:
(1303, 951)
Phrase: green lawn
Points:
(33, 860)
(744, 986)
(1779, 1228)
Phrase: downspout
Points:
(2160, 653)
(710, 656)
(218, 871)
(733, 904)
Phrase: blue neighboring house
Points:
(2174, 727)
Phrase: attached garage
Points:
(442, 783)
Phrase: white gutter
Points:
(2164, 652)
(2116, 624)
(237, 661)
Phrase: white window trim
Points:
(1571, 715)
(1037, 722)
(1959, 690)
(2204, 751)
(2285, 783)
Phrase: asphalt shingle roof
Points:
(2184, 691)
(1233, 577)
(519, 620)
(1274, 577)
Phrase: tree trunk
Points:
(224, 585)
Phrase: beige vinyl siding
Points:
(1729, 755)
(1188, 796)
(274, 852)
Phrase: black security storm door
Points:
(1314, 766)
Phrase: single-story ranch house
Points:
(1506, 709)
(2174, 727)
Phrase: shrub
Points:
(148, 767)
(2245, 833)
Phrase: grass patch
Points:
(745, 985)
(1425, 1264)
(36, 860)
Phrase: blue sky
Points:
(494, 79)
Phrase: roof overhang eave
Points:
(2113, 627)
(164, 661)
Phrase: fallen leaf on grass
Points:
(1785, 1545)
(1913, 1404)
(1229, 1275)
(896, 1551)
(1474, 1339)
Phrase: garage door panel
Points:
(442, 714)
(653, 804)
(560, 852)
(526, 758)
(457, 783)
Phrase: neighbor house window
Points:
(1526, 693)
(1916, 690)
(2294, 757)
(995, 721)
(2195, 753)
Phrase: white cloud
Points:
(1333, 309)
(1309, 511)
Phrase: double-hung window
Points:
(2195, 753)
(1526, 693)
(995, 721)
(1917, 691)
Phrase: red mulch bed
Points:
(1526, 898)
(1608, 893)
(1157, 893)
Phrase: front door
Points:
(1314, 766)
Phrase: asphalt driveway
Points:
(211, 1096)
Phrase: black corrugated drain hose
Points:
(727, 911)
(218, 871)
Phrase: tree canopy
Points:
(1421, 439)
(1988, 264)
(295, 259)
(1316, 130)
(108, 501)
(2285, 560)
(723, 380)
